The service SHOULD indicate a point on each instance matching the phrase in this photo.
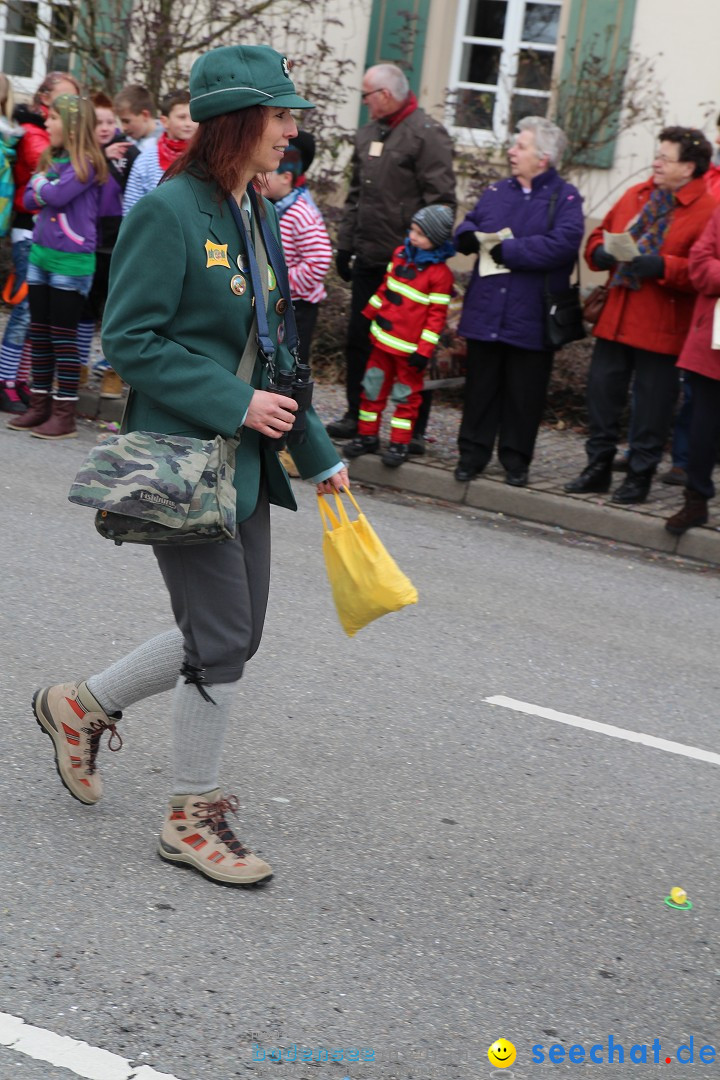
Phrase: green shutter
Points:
(397, 36)
(102, 32)
(589, 99)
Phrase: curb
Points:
(546, 508)
(572, 512)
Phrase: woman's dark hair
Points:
(693, 146)
(221, 145)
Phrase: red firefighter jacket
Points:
(409, 310)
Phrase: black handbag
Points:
(563, 310)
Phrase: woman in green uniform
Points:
(179, 315)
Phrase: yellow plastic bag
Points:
(366, 581)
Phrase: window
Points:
(502, 64)
(33, 40)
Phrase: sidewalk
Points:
(559, 456)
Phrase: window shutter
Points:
(102, 32)
(397, 36)
(589, 98)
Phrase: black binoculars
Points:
(298, 385)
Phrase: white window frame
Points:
(504, 90)
(42, 42)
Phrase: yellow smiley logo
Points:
(501, 1054)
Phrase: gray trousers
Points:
(219, 593)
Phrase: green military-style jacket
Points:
(175, 329)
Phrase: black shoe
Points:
(10, 401)
(395, 455)
(634, 489)
(675, 475)
(464, 472)
(361, 444)
(417, 445)
(344, 428)
(516, 477)
(597, 477)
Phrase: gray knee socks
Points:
(199, 728)
(150, 669)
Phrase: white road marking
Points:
(606, 729)
(79, 1058)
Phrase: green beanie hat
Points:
(236, 76)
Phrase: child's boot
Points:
(361, 444)
(395, 455)
(196, 833)
(37, 413)
(61, 422)
(75, 720)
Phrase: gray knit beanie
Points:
(436, 222)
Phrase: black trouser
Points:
(655, 393)
(305, 318)
(95, 302)
(366, 280)
(505, 391)
(704, 433)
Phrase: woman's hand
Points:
(336, 482)
(271, 414)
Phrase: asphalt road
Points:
(448, 871)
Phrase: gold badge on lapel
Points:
(216, 254)
(238, 284)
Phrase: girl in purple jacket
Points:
(66, 192)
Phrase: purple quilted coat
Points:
(509, 307)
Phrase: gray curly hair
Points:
(550, 140)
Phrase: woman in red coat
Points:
(700, 358)
(647, 314)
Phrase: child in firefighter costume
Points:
(408, 313)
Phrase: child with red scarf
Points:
(148, 169)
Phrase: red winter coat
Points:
(409, 310)
(656, 316)
(29, 149)
(704, 267)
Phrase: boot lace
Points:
(95, 730)
(212, 815)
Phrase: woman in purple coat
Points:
(540, 221)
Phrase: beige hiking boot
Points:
(196, 832)
(111, 385)
(74, 720)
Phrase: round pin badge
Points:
(242, 264)
(281, 333)
(272, 281)
(238, 284)
(281, 305)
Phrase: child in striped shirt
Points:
(307, 247)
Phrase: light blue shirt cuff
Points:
(326, 474)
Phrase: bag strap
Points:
(280, 268)
(329, 518)
(548, 228)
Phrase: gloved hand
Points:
(602, 260)
(647, 266)
(467, 243)
(495, 254)
(342, 264)
(418, 361)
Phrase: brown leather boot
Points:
(37, 413)
(693, 513)
(61, 423)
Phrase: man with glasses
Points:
(402, 161)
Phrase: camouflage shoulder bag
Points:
(160, 489)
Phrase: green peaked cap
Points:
(236, 76)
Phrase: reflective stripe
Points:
(388, 268)
(407, 290)
(375, 301)
(431, 336)
(367, 416)
(388, 339)
(404, 425)
(439, 298)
